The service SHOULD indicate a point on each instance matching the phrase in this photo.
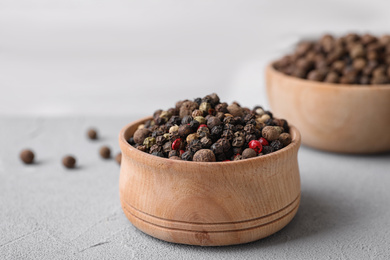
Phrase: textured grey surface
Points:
(47, 212)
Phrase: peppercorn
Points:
(195, 145)
(216, 131)
(222, 107)
(285, 139)
(270, 133)
(204, 155)
(118, 158)
(149, 141)
(248, 153)
(228, 134)
(216, 148)
(224, 143)
(173, 153)
(131, 141)
(156, 148)
(159, 154)
(220, 157)
(204, 107)
(187, 156)
(176, 144)
(203, 131)
(235, 110)
(206, 142)
(92, 134)
(277, 145)
(256, 146)
(238, 157)
(174, 120)
(229, 127)
(142, 148)
(157, 133)
(214, 99)
(69, 162)
(184, 130)
(263, 141)
(186, 120)
(140, 135)
(213, 121)
(196, 113)
(187, 107)
(238, 141)
(191, 137)
(160, 140)
(27, 156)
(200, 119)
(249, 129)
(268, 149)
(105, 152)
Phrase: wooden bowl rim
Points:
(130, 151)
(318, 84)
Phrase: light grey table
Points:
(48, 212)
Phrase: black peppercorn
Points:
(277, 145)
(216, 131)
(159, 154)
(195, 145)
(131, 141)
(206, 142)
(187, 156)
(173, 153)
(186, 120)
(194, 125)
(216, 148)
(267, 149)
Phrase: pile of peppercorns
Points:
(206, 130)
(350, 59)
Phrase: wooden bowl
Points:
(332, 117)
(209, 204)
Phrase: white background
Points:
(131, 57)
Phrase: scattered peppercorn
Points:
(208, 130)
(349, 59)
(69, 162)
(105, 152)
(27, 156)
(118, 158)
(92, 134)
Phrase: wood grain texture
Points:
(209, 204)
(333, 117)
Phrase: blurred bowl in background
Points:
(332, 117)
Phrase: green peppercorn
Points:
(149, 141)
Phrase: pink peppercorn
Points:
(202, 125)
(176, 144)
(263, 141)
(256, 145)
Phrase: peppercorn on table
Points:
(48, 211)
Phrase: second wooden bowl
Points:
(209, 204)
(333, 117)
